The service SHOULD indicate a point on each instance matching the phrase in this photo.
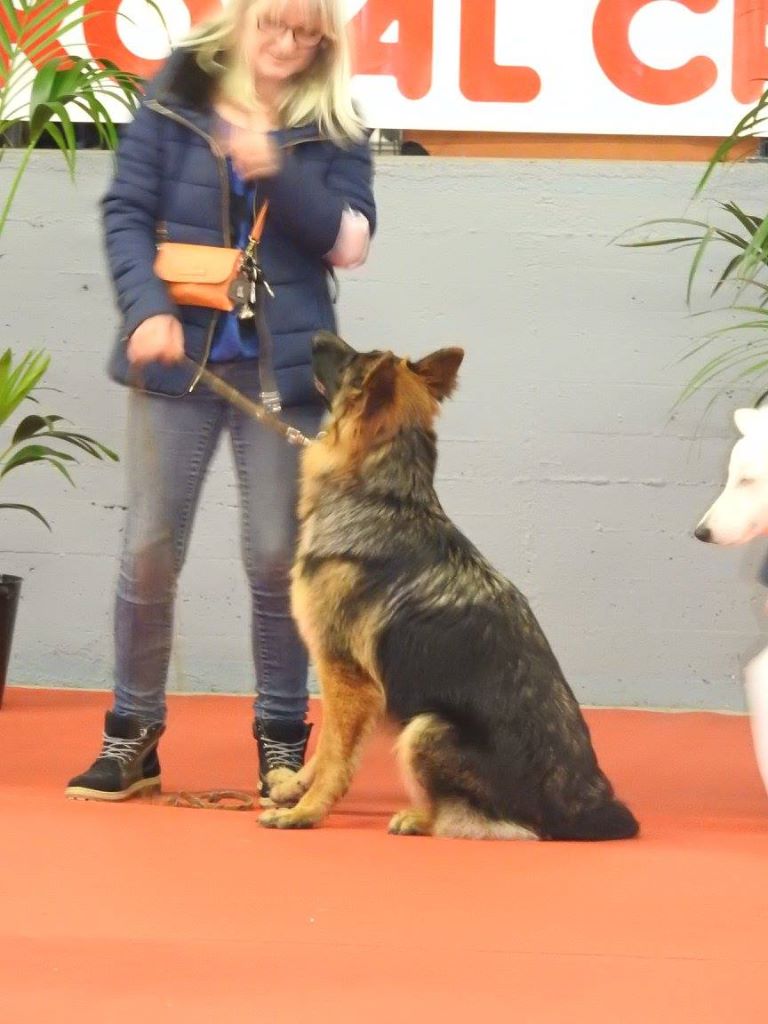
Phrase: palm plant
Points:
(41, 85)
(734, 362)
(34, 436)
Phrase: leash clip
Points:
(295, 437)
(271, 401)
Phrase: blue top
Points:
(234, 338)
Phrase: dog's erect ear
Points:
(439, 371)
(328, 341)
(379, 385)
(748, 421)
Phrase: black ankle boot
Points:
(281, 745)
(128, 763)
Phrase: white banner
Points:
(636, 67)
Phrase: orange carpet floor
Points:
(153, 914)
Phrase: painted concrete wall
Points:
(559, 457)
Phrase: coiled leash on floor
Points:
(210, 800)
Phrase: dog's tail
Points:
(609, 820)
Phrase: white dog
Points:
(739, 515)
(741, 512)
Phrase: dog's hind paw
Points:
(411, 823)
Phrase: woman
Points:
(255, 105)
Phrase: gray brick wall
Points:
(559, 457)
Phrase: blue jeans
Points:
(169, 448)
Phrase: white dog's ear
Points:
(748, 420)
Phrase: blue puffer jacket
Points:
(170, 175)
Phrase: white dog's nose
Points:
(703, 532)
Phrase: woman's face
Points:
(281, 40)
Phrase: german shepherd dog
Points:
(402, 614)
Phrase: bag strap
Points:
(257, 229)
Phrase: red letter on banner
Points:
(409, 60)
(482, 80)
(610, 33)
(750, 55)
(103, 39)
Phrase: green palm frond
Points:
(749, 237)
(42, 85)
(745, 266)
(37, 439)
(16, 382)
(42, 88)
(753, 125)
(744, 241)
(26, 508)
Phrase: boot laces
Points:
(123, 751)
(280, 754)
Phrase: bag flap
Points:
(195, 264)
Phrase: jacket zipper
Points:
(225, 204)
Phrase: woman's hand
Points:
(247, 141)
(159, 339)
(254, 154)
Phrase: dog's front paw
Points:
(411, 823)
(287, 790)
(282, 817)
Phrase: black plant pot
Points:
(10, 588)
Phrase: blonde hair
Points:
(320, 94)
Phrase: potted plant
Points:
(737, 352)
(38, 439)
(42, 86)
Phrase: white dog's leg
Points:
(756, 683)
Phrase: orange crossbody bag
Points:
(212, 276)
